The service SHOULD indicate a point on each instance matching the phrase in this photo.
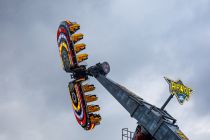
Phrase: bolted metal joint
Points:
(99, 68)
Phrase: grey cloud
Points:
(142, 40)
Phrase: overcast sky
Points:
(143, 40)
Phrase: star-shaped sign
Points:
(178, 89)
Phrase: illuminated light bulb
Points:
(76, 37)
(90, 98)
(92, 126)
(88, 88)
(93, 108)
(82, 57)
(79, 47)
(73, 28)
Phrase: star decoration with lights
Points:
(178, 89)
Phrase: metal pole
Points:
(127, 134)
(167, 101)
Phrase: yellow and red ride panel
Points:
(68, 52)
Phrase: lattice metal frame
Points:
(126, 134)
